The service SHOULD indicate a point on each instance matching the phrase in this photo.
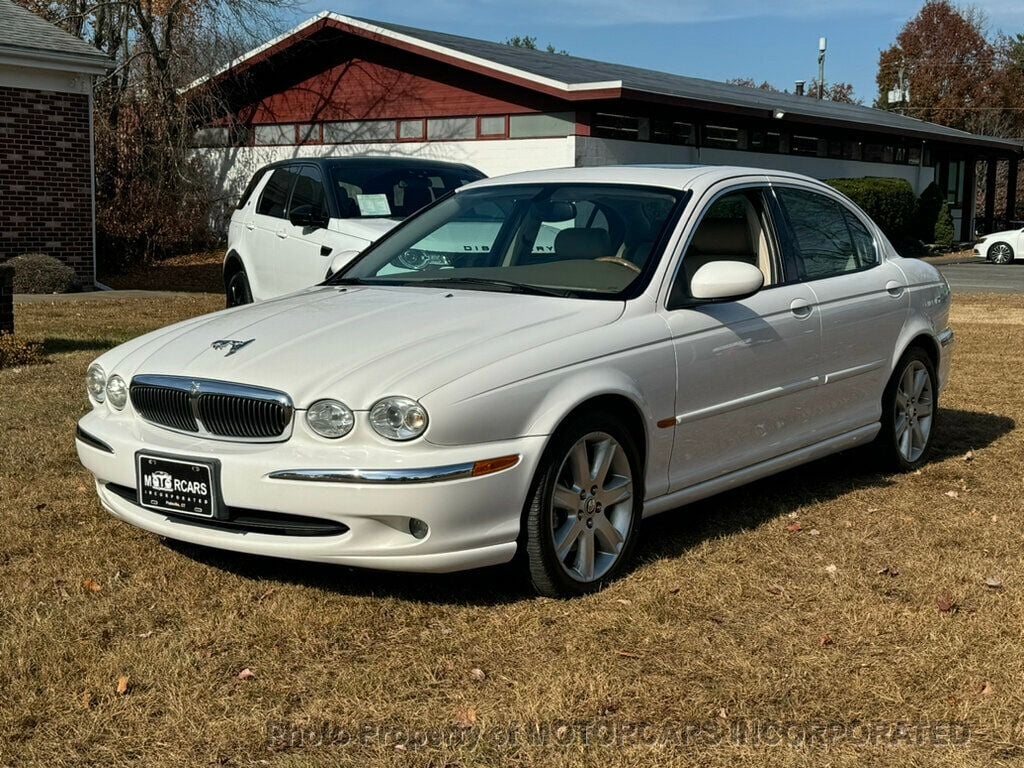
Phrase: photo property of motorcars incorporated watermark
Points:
(713, 733)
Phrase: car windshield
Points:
(384, 190)
(590, 240)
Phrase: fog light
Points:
(418, 528)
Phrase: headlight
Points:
(398, 418)
(330, 418)
(117, 392)
(96, 383)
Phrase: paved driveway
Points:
(982, 277)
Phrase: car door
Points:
(305, 253)
(747, 369)
(270, 229)
(863, 300)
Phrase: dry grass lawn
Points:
(818, 600)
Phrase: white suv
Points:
(297, 217)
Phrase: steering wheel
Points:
(621, 262)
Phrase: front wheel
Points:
(909, 410)
(1000, 253)
(238, 292)
(582, 517)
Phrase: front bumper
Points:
(473, 521)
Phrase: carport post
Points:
(6, 299)
(1011, 189)
(990, 193)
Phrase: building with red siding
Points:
(46, 147)
(338, 85)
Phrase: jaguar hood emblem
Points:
(231, 345)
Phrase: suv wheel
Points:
(237, 288)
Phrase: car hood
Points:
(370, 230)
(358, 343)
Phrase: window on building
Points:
(671, 132)
(411, 130)
(824, 243)
(451, 128)
(495, 125)
(609, 126)
(541, 126)
(354, 131)
(764, 141)
(804, 145)
(721, 136)
(211, 137)
(272, 135)
(309, 133)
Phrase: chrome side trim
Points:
(849, 373)
(946, 337)
(748, 400)
(377, 476)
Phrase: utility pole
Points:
(822, 45)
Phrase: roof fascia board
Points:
(64, 62)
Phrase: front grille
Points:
(248, 520)
(213, 408)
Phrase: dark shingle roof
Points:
(575, 70)
(23, 31)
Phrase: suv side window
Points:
(250, 187)
(822, 235)
(309, 190)
(274, 200)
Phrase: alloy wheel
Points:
(592, 507)
(915, 403)
(1001, 253)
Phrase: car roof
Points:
(668, 176)
(372, 160)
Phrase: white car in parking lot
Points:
(687, 330)
(1001, 247)
(298, 219)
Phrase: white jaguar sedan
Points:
(684, 331)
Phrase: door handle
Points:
(894, 288)
(801, 308)
(250, 226)
(282, 234)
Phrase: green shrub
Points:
(926, 214)
(15, 352)
(944, 235)
(890, 202)
(39, 273)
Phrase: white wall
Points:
(231, 168)
(13, 76)
(594, 151)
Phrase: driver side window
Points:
(735, 227)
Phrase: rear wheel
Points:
(1000, 253)
(237, 288)
(909, 410)
(582, 517)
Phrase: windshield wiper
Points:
(508, 285)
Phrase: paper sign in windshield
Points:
(373, 205)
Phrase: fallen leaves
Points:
(794, 528)
(825, 640)
(987, 689)
(478, 674)
(246, 674)
(92, 585)
(123, 685)
(465, 717)
(890, 570)
(832, 571)
(994, 582)
(87, 700)
(946, 604)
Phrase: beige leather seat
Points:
(720, 240)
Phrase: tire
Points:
(597, 531)
(237, 289)
(910, 408)
(1000, 253)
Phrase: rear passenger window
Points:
(863, 242)
(274, 199)
(309, 190)
(823, 236)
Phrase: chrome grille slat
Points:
(213, 408)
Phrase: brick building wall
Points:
(46, 177)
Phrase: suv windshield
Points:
(573, 239)
(387, 190)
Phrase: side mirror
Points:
(305, 216)
(722, 280)
(341, 260)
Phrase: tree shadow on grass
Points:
(58, 345)
(667, 535)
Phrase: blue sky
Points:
(718, 39)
